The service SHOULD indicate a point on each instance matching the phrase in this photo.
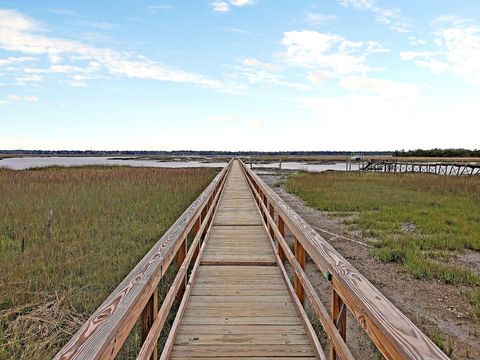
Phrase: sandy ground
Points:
(431, 305)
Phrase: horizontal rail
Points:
(104, 333)
(389, 329)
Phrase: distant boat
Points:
(356, 158)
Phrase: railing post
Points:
(196, 229)
(182, 252)
(149, 315)
(271, 211)
(300, 255)
(281, 229)
(339, 317)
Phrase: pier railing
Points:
(395, 336)
(451, 168)
(136, 298)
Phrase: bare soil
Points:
(436, 308)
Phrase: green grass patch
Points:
(68, 236)
(474, 298)
(415, 219)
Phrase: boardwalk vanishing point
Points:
(235, 297)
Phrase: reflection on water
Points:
(32, 162)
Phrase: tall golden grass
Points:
(68, 236)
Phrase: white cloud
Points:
(34, 78)
(392, 17)
(414, 41)
(461, 44)
(435, 66)
(458, 49)
(15, 60)
(242, 2)
(18, 98)
(412, 55)
(224, 6)
(220, 6)
(316, 19)
(255, 72)
(359, 4)
(21, 34)
(330, 53)
(221, 118)
(252, 62)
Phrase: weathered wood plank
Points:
(241, 350)
(245, 340)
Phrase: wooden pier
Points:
(236, 300)
(439, 168)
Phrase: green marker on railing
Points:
(328, 276)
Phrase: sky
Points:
(266, 75)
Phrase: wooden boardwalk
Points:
(239, 306)
(235, 298)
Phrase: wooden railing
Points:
(103, 335)
(395, 336)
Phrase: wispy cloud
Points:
(392, 17)
(316, 19)
(331, 54)
(11, 60)
(242, 2)
(415, 41)
(255, 63)
(22, 34)
(224, 6)
(220, 6)
(18, 98)
(458, 49)
(252, 72)
(236, 30)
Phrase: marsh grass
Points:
(416, 219)
(68, 236)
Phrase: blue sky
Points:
(239, 74)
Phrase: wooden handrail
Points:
(317, 305)
(104, 333)
(389, 329)
(152, 337)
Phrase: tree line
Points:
(438, 153)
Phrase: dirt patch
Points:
(469, 259)
(436, 308)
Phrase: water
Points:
(33, 162)
(302, 166)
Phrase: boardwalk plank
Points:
(237, 308)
